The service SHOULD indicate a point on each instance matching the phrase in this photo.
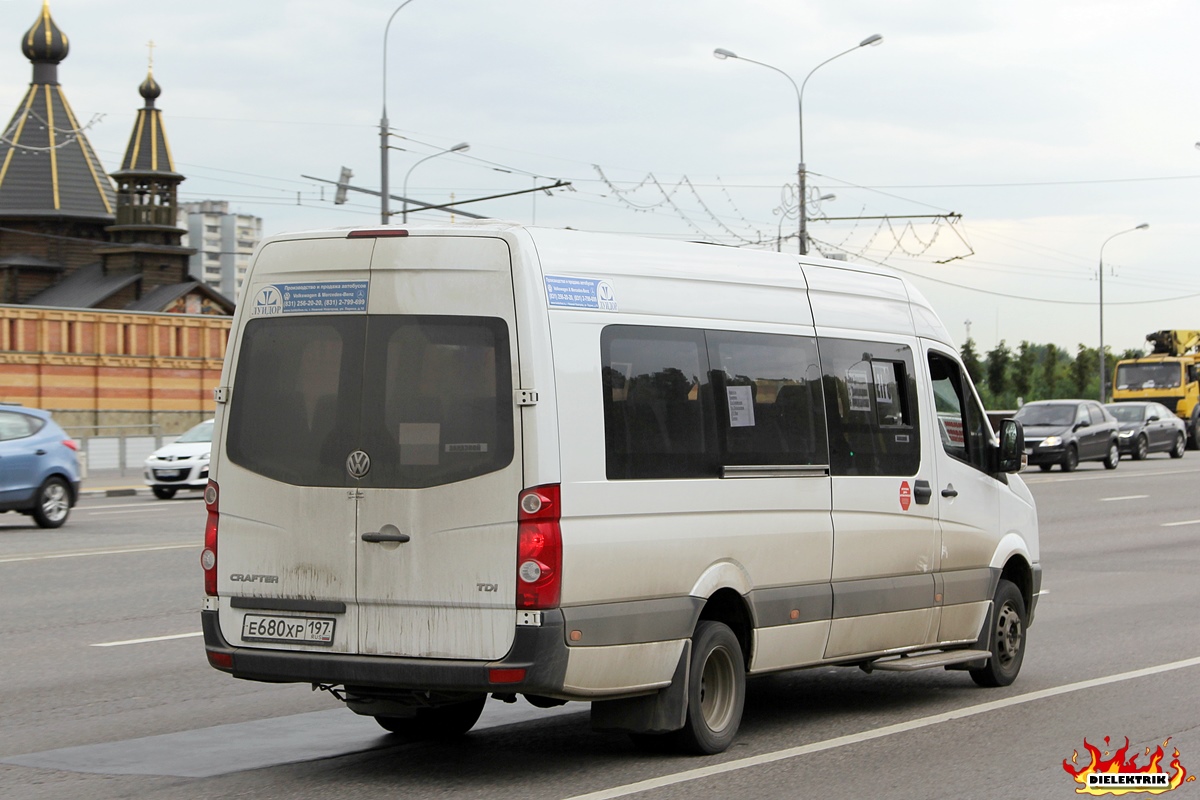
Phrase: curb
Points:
(122, 492)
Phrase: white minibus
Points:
(488, 460)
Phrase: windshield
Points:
(200, 433)
(1149, 376)
(1127, 413)
(1059, 415)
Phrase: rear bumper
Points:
(540, 651)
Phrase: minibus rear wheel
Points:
(716, 690)
(1006, 638)
(437, 722)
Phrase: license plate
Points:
(168, 473)
(301, 630)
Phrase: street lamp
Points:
(385, 214)
(801, 175)
(461, 147)
(1141, 227)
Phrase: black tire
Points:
(1005, 638)
(716, 690)
(1193, 442)
(1114, 455)
(1070, 459)
(1045, 467)
(1141, 448)
(163, 492)
(438, 722)
(53, 503)
(1179, 446)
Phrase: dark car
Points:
(39, 469)
(1065, 432)
(1149, 428)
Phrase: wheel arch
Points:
(729, 607)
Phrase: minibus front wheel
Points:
(1005, 638)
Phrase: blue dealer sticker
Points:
(593, 293)
(296, 298)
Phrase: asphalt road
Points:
(107, 693)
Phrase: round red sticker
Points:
(905, 495)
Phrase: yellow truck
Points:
(1169, 375)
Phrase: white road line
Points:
(130, 511)
(1126, 497)
(1184, 522)
(150, 639)
(866, 736)
(80, 553)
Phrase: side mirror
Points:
(1152, 418)
(1081, 424)
(1012, 446)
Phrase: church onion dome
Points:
(44, 42)
(150, 90)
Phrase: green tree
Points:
(1050, 371)
(1130, 354)
(1023, 369)
(970, 360)
(1083, 369)
(998, 359)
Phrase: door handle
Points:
(386, 536)
(39, 452)
(922, 491)
(950, 491)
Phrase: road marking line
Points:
(878, 733)
(1126, 497)
(114, 551)
(149, 639)
(130, 511)
(1184, 522)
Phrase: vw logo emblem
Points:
(358, 464)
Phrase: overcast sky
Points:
(1048, 125)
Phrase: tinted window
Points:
(1149, 376)
(768, 398)
(1096, 413)
(962, 424)
(655, 393)
(870, 393)
(683, 403)
(1058, 415)
(1129, 412)
(429, 399)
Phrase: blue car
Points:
(39, 467)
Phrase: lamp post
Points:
(801, 174)
(1141, 227)
(461, 147)
(385, 214)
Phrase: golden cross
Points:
(150, 45)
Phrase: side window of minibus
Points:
(962, 425)
(768, 404)
(657, 423)
(870, 397)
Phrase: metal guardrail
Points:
(123, 452)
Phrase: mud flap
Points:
(984, 642)
(661, 712)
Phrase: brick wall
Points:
(98, 368)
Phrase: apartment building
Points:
(224, 242)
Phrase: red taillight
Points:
(376, 233)
(208, 556)
(539, 548)
(71, 443)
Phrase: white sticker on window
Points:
(419, 442)
(857, 386)
(741, 406)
